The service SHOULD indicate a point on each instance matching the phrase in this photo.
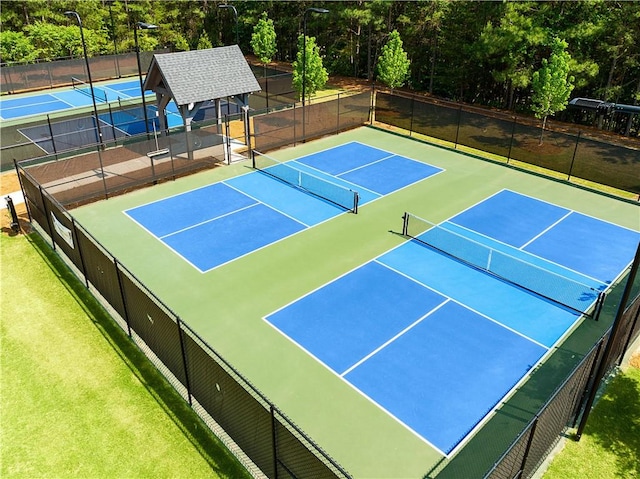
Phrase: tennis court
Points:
(218, 223)
(120, 114)
(389, 352)
(421, 329)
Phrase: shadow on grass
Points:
(614, 424)
(221, 461)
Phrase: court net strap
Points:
(336, 194)
(85, 88)
(572, 294)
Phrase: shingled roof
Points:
(200, 75)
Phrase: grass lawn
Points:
(610, 445)
(77, 398)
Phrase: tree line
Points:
(471, 51)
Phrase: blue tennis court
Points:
(438, 343)
(213, 225)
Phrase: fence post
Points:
(53, 140)
(167, 135)
(627, 343)
(46, 214)
(587, 385)
(104, 177)
(513, 132)
(26, 202)
(295, 123)
(113, 124)
(372, 105)
(266, 88)
(617, 322)
(413, 101)
(338, 115)
(184, 360)
(49, 73)
(226, 143)
(455, 146)
(575, 150)
(84, 268)
(528, 448)
(123, 296)
(274, 443)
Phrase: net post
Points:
(405, 224)
(599, 304)
(356, 201)
(253, 159)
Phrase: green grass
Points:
(610, 445)
(77, 398)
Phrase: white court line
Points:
(387, 343)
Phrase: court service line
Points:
(206, 221)
(71, 105)
(365, 165)
(401, 333)
(548, 228)
(464, 305)
(267, 205)
(391, 153)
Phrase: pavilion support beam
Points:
(188, 112)
(162, 101)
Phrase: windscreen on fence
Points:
(52, 74)
(549, 149)
(567, 152)
(241, 413)
(483, 132)
(100, 173)
(154, 324)
(275, 129)
(607, 164)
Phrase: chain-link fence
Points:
(18, 77)
(571, 152)
(127, 163)
(294, 124)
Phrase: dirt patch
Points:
(635, 361)
(9, 183)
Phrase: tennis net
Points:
(85, 89)
(565, 291)
(336, 194)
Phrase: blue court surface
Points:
(27, 105)
(213, 225)
(438, 344)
